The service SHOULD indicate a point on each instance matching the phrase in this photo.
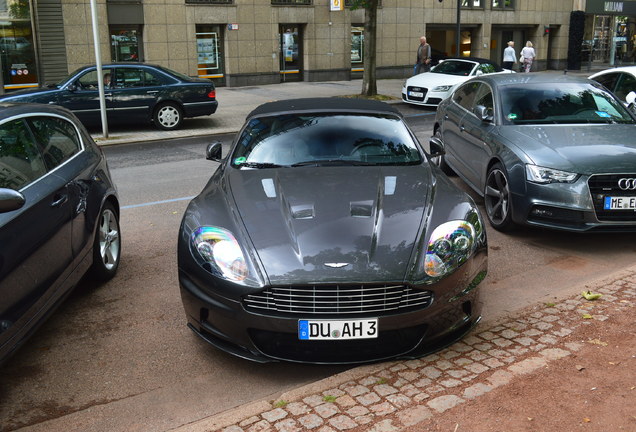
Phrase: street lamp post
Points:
(458, 27)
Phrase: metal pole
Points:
(458, 28)
(98, 62)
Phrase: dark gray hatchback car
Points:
(326, 236)
(547, 150)
(134, 92)
(59, 215)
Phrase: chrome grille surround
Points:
(607, 184)
(344, 299)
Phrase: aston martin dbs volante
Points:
(547, 150)
(327, 236)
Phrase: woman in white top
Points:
(509, 56)
(528, 55)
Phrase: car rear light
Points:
(212, 94)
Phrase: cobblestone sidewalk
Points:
(390, 396)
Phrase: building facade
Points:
(253, 42)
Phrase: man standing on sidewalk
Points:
(423, 63)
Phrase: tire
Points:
(497, 199)
(107, 244)
(440, 161)
(168, 116)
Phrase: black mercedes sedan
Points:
(545, 150)
(134, 92)
(327, 236)
(59, 216)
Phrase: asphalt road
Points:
(119, 357)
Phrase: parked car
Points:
(59, 216)
(134, 92)
(430, 88)
(326, 236)
(621, 80)
(547, 150)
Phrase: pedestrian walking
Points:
(509, 56)
(527, 56)
(423, 62)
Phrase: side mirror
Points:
(214, 151)
(484, 114)
(71, 87)
(479, 73)
(436, 147)
(10, 200)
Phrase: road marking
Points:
(157, 202)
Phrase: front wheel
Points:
(168, 116)
(497, 199)
(107, 244)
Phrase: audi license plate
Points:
(337, 330)
(416, 94)
(620, 203)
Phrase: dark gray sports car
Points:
(547, 150)
(326, 236)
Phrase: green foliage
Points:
(329, 398)
(19, 9)
(280, 404)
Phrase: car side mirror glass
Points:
(436, 147)
(483, 113)
(10, 200)
(214, 151)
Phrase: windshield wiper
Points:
(259, 165)
(334, 162)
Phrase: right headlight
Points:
(543, 175)
(221, 252)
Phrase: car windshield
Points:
(561, 104)
(454, 67)
(294, 140)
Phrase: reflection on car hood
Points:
(332, 223)
(431, 79)
(585, 149)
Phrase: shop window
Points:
(503, 4)
(125, 44)
(357, 47)
(17, 51)
(210, 58)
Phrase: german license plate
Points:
(620, 203)
(337, 329)
(416, 94)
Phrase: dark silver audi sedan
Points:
(59, 216)
(547, 150)
(327, 236)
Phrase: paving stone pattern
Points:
(405, 393)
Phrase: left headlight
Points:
(219, 249)
(442, 88)
(450, 245)
(539, 174)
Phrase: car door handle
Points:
(152, 91)
(445, 116)
(60, 200)
(462, 128)
(108, 94)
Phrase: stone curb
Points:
(387, 396)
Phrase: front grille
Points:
(607, 185)
(416, 89)
(337, 300)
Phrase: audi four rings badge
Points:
(627, 184)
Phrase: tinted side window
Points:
(88, 81)
(626, 84)
(465, 95)
(128, 78)
(608, 80)
(484, 97)
(20, 160)
(58, 139)
(151, 80)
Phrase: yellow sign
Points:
(337, 5)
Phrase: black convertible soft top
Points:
(331, 104)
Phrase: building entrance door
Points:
(291, 68)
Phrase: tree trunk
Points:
(369, 86)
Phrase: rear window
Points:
(333, 139)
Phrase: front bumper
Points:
(429, 98)
(228, 325)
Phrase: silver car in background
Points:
(547, 150)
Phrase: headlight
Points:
(450, 245)
(221, 251)
(544, 175)
(443, 88)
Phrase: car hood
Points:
(431, 79)
(28, 93)
(584, 149)
(318, 224)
